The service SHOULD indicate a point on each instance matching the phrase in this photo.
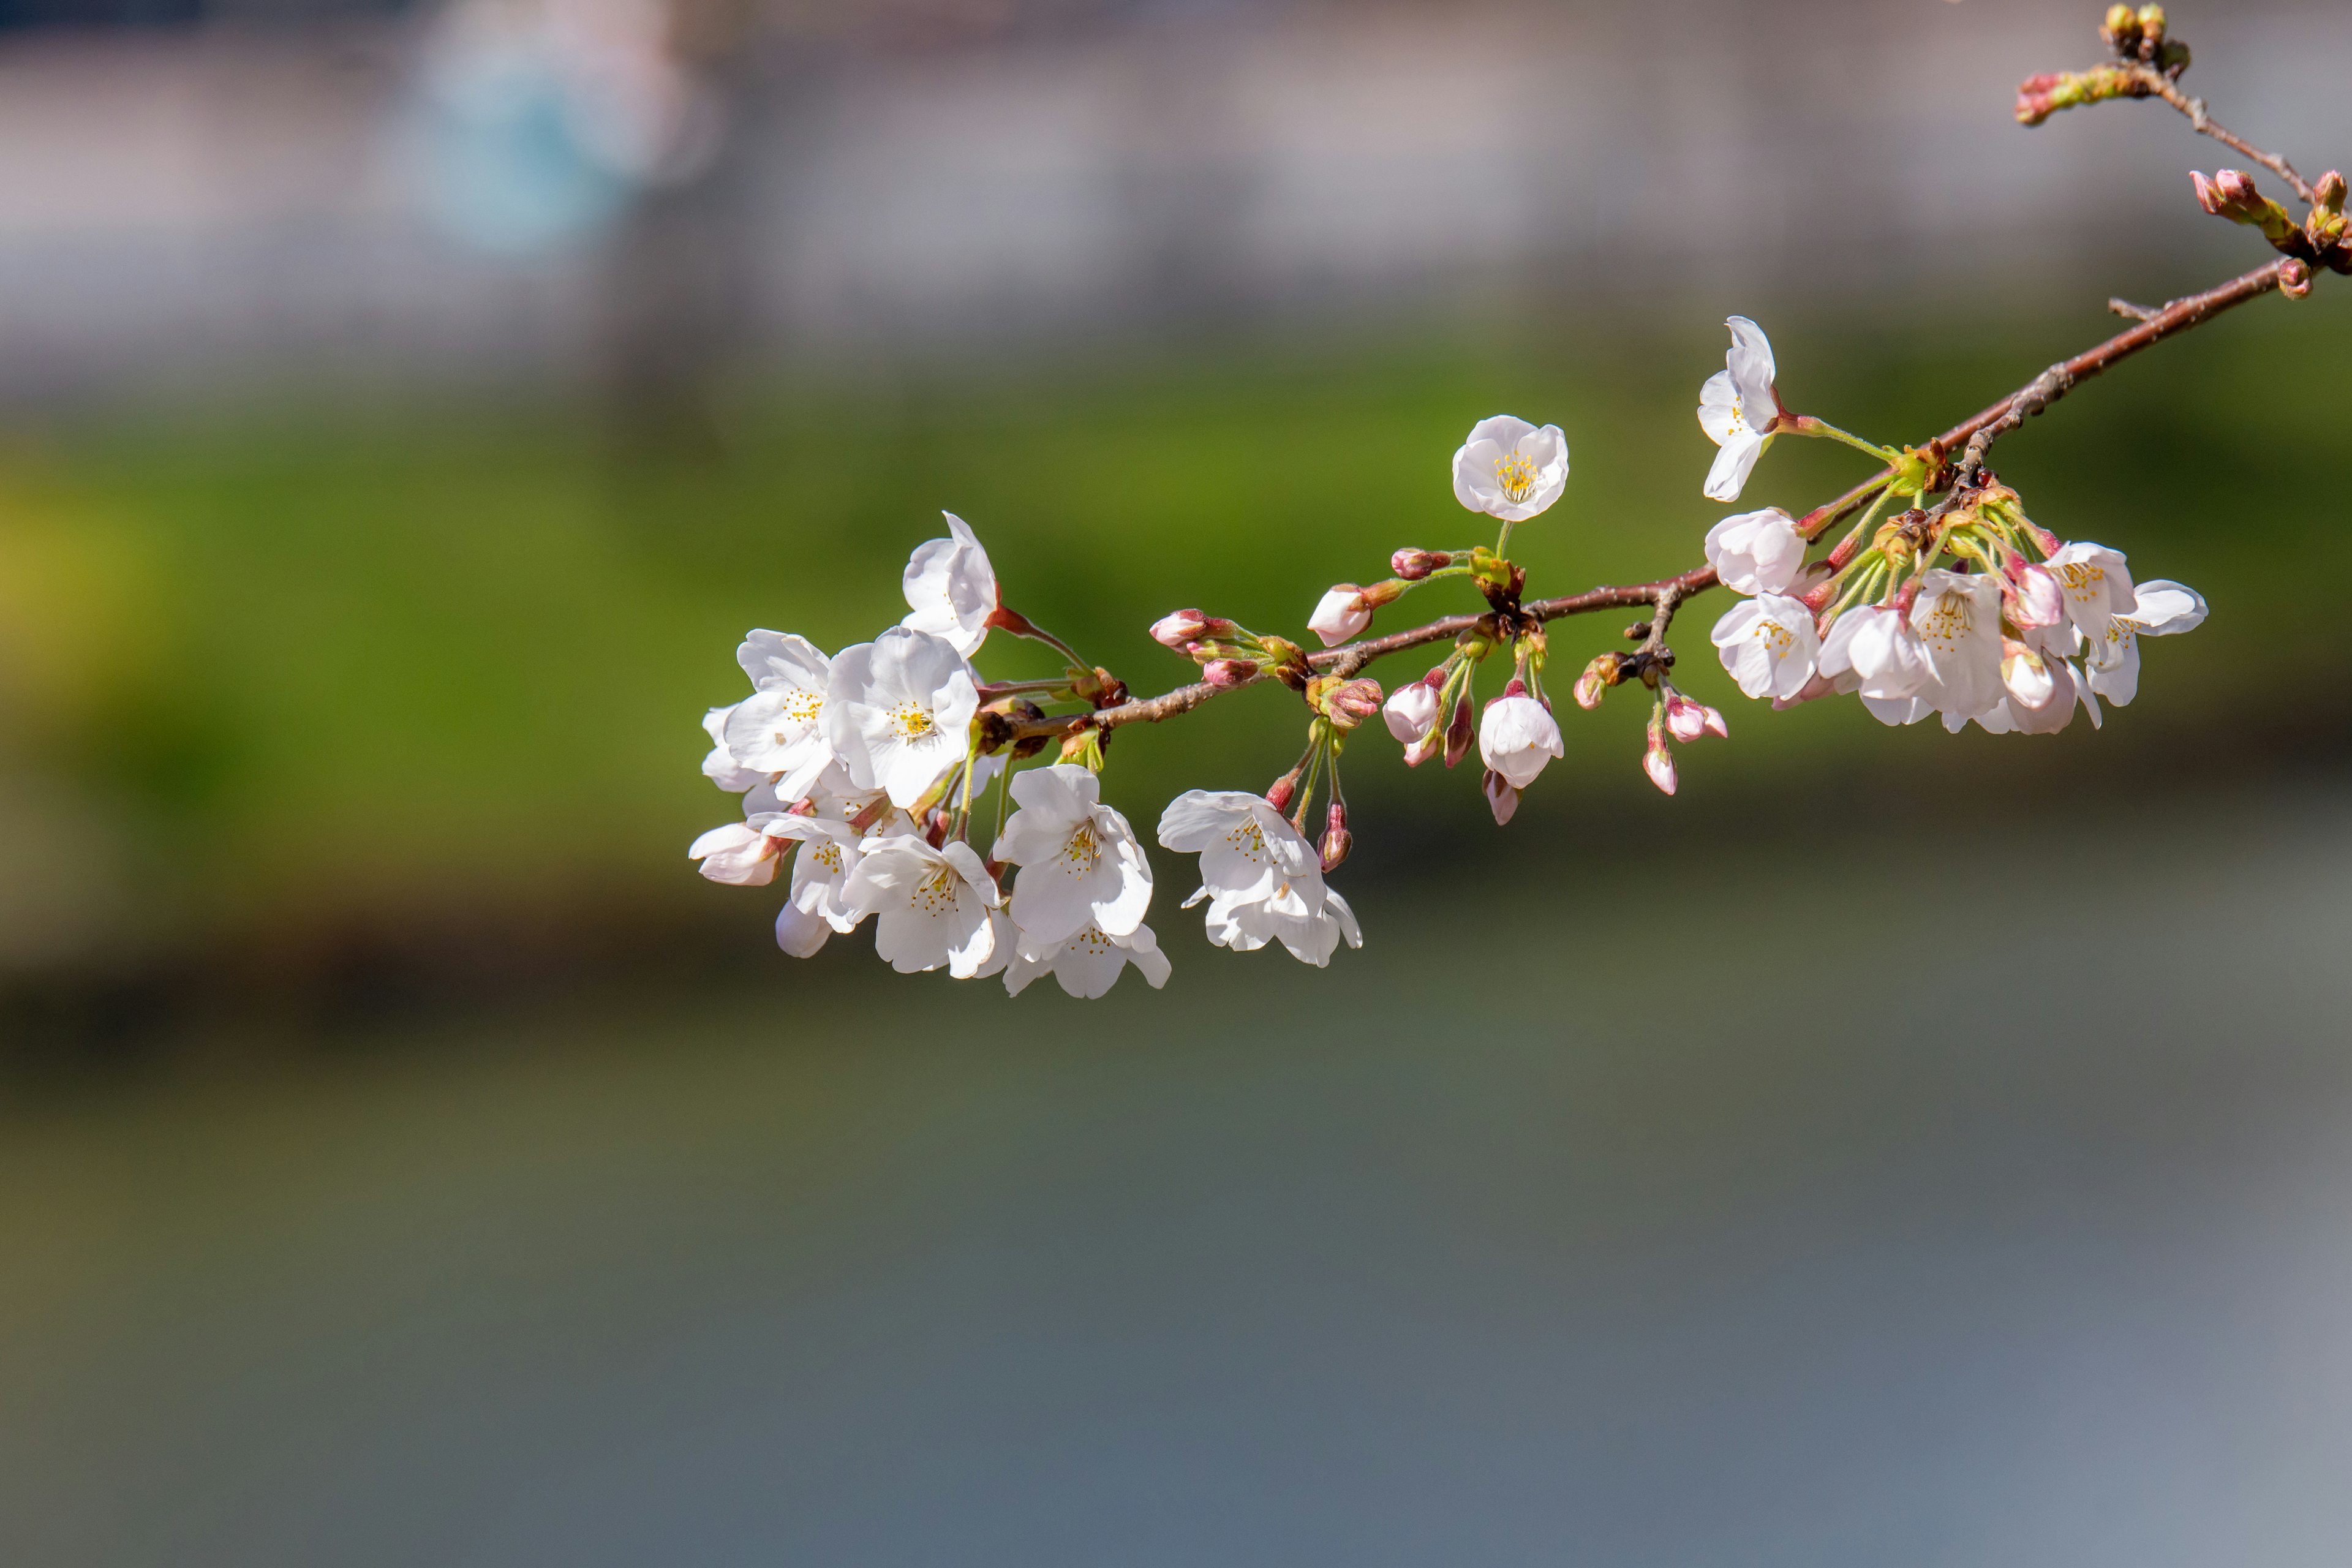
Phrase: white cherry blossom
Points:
(1340, 614)
(1509, 468)
(1517, 736)
(1768, 645)
(1958, 619)
(1878, 648)
(779, 728)
(2096, 583)
(741, 853)
(897, 712)
(720, 765)
(1305, 915)
(1262, 880)
(2160, 608)
(932, 907)
(817, 906)
(951, 588)
(1410, 713)
(1757, 552)
(1737, 408)
(1081, 864)
(1089, 963)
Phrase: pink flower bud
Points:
(2207, 196)
(1687, 720)
(1501, 798)
(1283, 791)
(1336, 839)
(2329, 189)
(1228, 672)
(1461, 731)
(1413, 566)
(1342, 615)
(2295, 278)
(2236, 188)
(2035, 598)
(1598, 677)
(1176, 630)
(1656, 761)
(1813, 690)
(1411, 713)
(1353, 702)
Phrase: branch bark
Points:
(1977, 433)
(2163, 87)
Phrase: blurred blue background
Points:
(1896, 1147)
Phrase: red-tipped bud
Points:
(1351, 702)
(1413, 566)
(935, 828)
(1189, 625)
(1656, 760)
(1228, 672)
(1336, 839)
(1598, 677)
(1501, 798)
(1460, 731)
(2294, 280)
(1283, 791)
(1687, 720)
(2207, 196)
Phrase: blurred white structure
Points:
(176, 208)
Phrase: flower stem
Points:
(1806, 424)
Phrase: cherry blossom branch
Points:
(1667, 594)
(2159, 85)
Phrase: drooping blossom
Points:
(2160, 608)
(817, 906)
(2035, 599)
(1958, 619)
(1688, 720)
(1768, 645)
(1509, 468)
(1517, 735)
(1262, 880)
(1658, 758)
(1340, 614)
(1502, 796)
(1088, 962)
(1081, 864)
(1737, 408)
(740, 854)
(719, 766)
(1876, 646)
(1410, 713)
(2096, 583)
(931, 907)
(897, 710)
(1757, 552)
(779, 729)
(951, 588)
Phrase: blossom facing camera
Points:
(1958, 620)
(897, 710)
(779, 729)
(1768, 645)
(1509, 468)
(1757, 552)
(1340, 614)
(1517, 736)
(815, 909)
(1261, 878)
(1738, 408)
(950, 588)
(933, 907)
(2096, 583)
(1081, 864)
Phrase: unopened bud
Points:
(1460, 731)
(1228, 672)
(1387, 591)
(2151, 22)
(1189, 626)
(1813, 690)
(2294, 280)
(2121, 27)
(1340, 615)
(935, 828)
(1687, 720)
(1351, 702)
(1413, 566)
(2026, 675)
(1656, 761)
(1336, 839)
(1283, 791)
(2329, 189)
(2208, 196)
(1502, 799)
(1598, 676)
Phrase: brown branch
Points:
(2161, 86)
(1664, 595)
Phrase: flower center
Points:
(1950, 620)
(936, 895)
(1776, 636)
(802, 706)
(913, 720)
(1516, 477)
(829, 856)
(1250, 839)
(2082, 579)
(1083, 852)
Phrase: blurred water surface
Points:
(1950, 1203)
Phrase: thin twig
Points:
(2125, 307)
(2162, 86)
(1664, 595)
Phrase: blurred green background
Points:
(1896, 1147)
